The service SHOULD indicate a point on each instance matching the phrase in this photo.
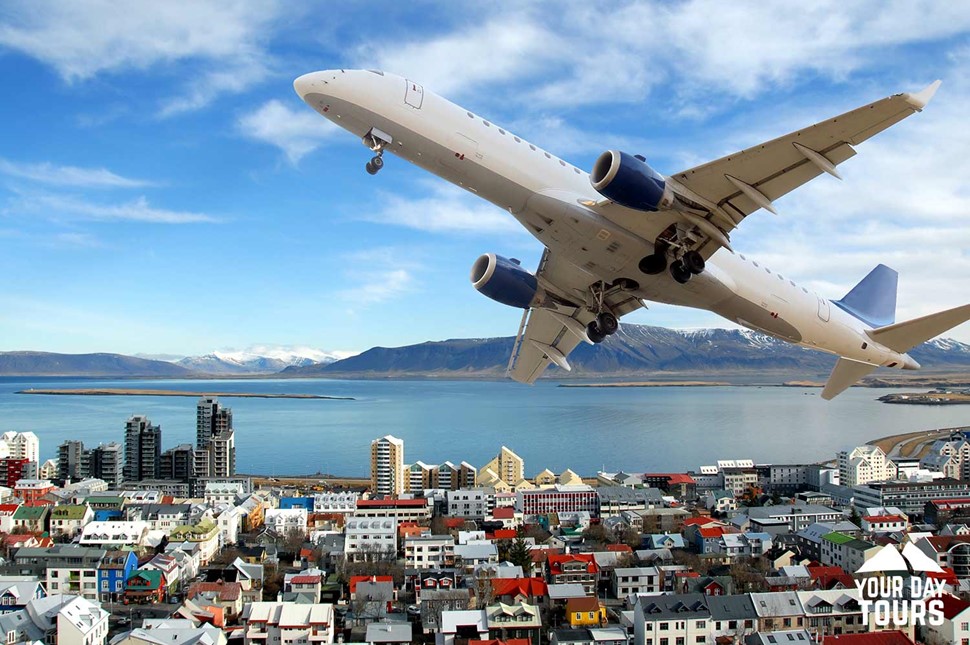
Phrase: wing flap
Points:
(545, 340)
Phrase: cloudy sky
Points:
(163, 190)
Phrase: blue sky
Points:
(164, 191)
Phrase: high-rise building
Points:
(20, 445)
(215, 442)
(506, 466)
(143, 449)
(107, 463)
(387, 466)
(73, 461)
(178, 463)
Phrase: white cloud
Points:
(295, 132)
(136, 210)
(378, 275)
(49, 173)
(445, 209)
(83, 39)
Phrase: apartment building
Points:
(863, 465)
(287, 623)
(429, 552)
(369, 539)
(559, 499)
(629, 581)
(682, 618)
(387, 472)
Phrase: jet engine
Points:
(504, 281)
(629, 181)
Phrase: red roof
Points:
(8, 509)
(305, 580)
(392, 503)
(556, 562)
(883, 518)
(506, 534)
(541, 555)
(892, 637)
(228, 591)
(619, 548)
(953, 606)
(355, 579)
(955, 501)
(690, 521)
(816, 572)
(504, 513)
(529, 587)
(511, 641)
(454, 522)
(672, 478)
(582, 604)
(711, 531)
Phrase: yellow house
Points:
(585, 612)
(205, 534)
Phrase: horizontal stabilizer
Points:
(847, 373)
(873, 300)
(904, 336)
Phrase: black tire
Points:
(607, 323)
(694, 262)
(653, 264)
(679, 272)
(370, 168)
(594, 334)
(377, 162)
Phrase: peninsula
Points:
(140, 392)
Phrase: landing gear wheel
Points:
(693, 262)
(594, 334)
(374, 165)
(679, 272)
(653, 264)
(607, 323)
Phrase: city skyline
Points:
(154, 158)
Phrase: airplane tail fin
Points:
(904, 336)
(873, 300)
(847, 373)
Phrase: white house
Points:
(282, 520)
(115, 533)
(287, 622)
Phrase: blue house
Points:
(115, 569)
(15, 594)
(297, 502)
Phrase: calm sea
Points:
(586, 429)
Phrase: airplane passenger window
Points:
(501, 130)
(487, 124)
(532, 146)
(756, 264)
(781, 277)
(470, 115)
(562, 163)
(793, 283)
(548, 156)
(517, 140)
(742, 257)
(576, 170)
(768, 270)
(804, 289)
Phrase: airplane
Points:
(623, 234)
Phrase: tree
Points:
(520, 554)
(293, 541)
(597, 534)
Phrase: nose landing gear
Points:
(376, 140)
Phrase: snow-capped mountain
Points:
(260, 359)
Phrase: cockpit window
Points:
(376, 71)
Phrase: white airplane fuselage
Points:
(544, 193)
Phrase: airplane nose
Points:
(306, 83)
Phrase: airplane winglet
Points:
(920, 99)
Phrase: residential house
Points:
(464, 624)
(17, 591)
(778, 611)
(678, 618)
(283, 520)
(580, 568)
(114, 570)
(518, 620)
(743, 545)
(161, 517)
(205, 534)
(168, 565)
(114, 534)
(429, 552)
(305, 587)
(955, 627)
(635, 580)
(172, 631)
(511, 590)
(884, 523)
(720, 501)
(225, 595)
(370, 539)
(830, 612)
(468, 557)
(69, 519)
(732, 616)
(841, 550)
(388, 633)
(145, 586)
(287, 622)
(64, 569)
(6, 517)
(81, 621)
(585, 612)
(32, 519)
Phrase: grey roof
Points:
(475, 551)
(388, 632)
(571, 635)
(50, 555)
(736, 607)
(779, 603)
(774, 638)
(566, 591)
(681, 606)
(785, 510)
(629, 495)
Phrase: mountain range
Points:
(636, 350)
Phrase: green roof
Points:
(30, 513)
(838, 538)
(153, 576)
(69, 512)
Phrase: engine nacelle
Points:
(630, 182)
(504, 281)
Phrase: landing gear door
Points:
(823, 309)
(414, 95)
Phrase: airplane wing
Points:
(727, 190)
(716, 197)
(547, 335)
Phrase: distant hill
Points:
(256, 360)
(112, 365)
(634, 350)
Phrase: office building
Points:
(387, 466)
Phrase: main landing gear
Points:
(604, 325)
(681, 269)
(376, 140)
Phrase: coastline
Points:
(192, 394)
